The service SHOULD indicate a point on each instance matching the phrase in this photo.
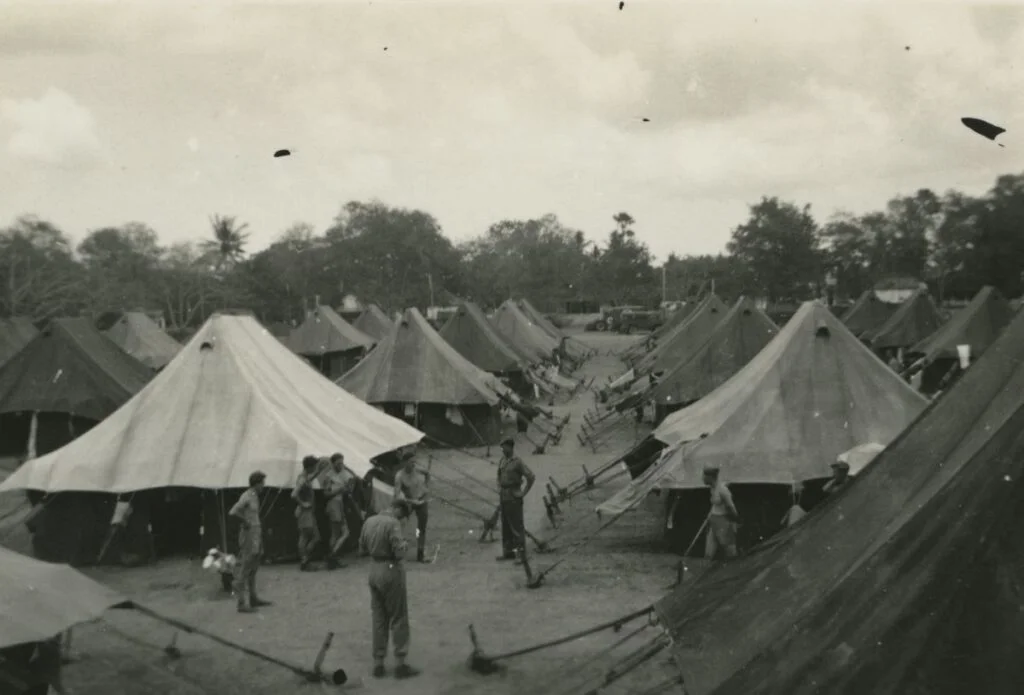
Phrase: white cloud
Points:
(54, 129)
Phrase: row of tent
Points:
(908, 580)
(773, 408)
(234, 399)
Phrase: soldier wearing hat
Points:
(840, 477)
(723, 518)
(250, 544)
(382, 539)
(511, 473)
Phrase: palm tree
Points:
(228, 244)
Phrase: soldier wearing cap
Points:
(511, 473)
(723, 518)
(382, 539)
(840, 477)
(250, 544)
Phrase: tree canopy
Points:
(400, 257)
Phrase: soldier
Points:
(382, 540)
(305, 512)
(250, 544)
(411, 488)
(840, 477)
(722, 520)
(336, 481)
(511, 472)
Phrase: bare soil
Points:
(621, 570)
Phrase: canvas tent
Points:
(869, 313)
(374, 323)
(736, 340)
(330, 343)
(233, 401)
(676, 347)
(812, 393)
(40, 602)
(574, 347)
(416, 375)
(68, 378)
(905, 583)
(473, 336)
(140, 336)
(916, 319)
(519, 329)
(15, 333)
(977, 325)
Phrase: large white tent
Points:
(234, 400)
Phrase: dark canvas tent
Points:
(520, 330)
(736, 340)
(72, 376)
(574, 347)
(976, 325)
(15, 333)
(414, 374)
(906, 583)
(140, 336)
(329, 342)
(473, 336)
(916, 319)
(676, 347)
(869, 313)
(374, 323)
(812, 393)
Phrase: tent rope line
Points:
(132, 639)
(632, 662)
(577, 669)
(478, 659)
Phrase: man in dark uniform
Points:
(305, 512)
(381, 539)
(250, 544)
(511, 472)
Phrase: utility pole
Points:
(430, 283)
(664, 284)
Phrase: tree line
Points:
(399, 258)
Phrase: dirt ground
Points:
(620, 571)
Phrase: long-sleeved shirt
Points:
(382, 537)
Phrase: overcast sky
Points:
(476, 112)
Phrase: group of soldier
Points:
(382, 537)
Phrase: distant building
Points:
(896, 290)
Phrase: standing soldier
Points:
(382, 540)
(411, 488)
(511, 472)
(723, 518)
(336, 482)
(250, 544)
(305, 512)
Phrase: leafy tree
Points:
(119, 263)
(399, 258)
(912, 224)
(624, 268)
(39, 276)
(778, 248)
(227, 247)
(848, 252)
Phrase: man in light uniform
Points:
(250, 544)
(411, 488)
(305, 512)
(722, 519)
(382, 540)
(336, 482)
(511, 473)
